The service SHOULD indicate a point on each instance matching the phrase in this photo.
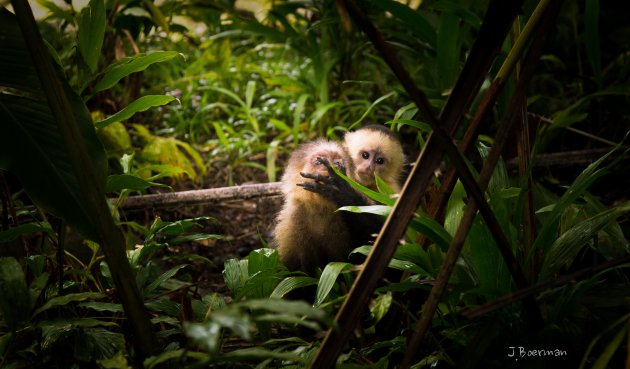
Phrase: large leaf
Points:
(141, 104)
(131, 65)
(92, 32)
(328, 279)
(31, 145)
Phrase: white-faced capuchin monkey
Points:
(309, 232)
(374, 150)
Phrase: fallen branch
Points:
(210, 195)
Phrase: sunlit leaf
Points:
(127, 66)
(141, 104)
(327, 280)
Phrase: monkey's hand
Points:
(333, 188)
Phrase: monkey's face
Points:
(374, 153)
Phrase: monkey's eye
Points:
(338, 164)
(379, 161)
(365, 155)
(318, 161)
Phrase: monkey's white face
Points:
(374, 153)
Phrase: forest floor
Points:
(244, 225)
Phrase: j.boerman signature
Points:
(520, 352)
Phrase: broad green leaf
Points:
(431, 230)
(31, 146)
(448, 49)
(119, 182)
(66, 299)
(327, 280)
(262, 259)
(102, 306)
(292, 283)
(299, 308)
(141, 104)
(92, 32)
(14, 295)
(163, 278)
(381, 306)
(564, 250)
(127, 66)
(23, 229)
(235, 274)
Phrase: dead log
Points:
(210, 195)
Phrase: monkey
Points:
(373, 150)
(309, 232)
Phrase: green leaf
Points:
(591, 37)
(261, 260)
(142, 104)
(14, 295)
(92, 32)
(547, 234)
(127, 66)
(371, 107)
(327, 280)
(611, 348)
(258, 353)
(31, 145)
(235, 274)
(413, 20)
(66, 299)
(163, 278)
(119, 182)
(102, 306)
(23, 229)
(292, 283)
(448, 49)
(564, 250)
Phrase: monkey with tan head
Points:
(309, 233)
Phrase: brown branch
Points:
(211, 195)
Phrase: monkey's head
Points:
(323, 151)
(309, 158)
(375, 150)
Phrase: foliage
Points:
(179, 93)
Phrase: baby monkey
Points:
(374, 151)
(309, 232)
